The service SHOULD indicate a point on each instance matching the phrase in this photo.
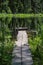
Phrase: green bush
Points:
(6, 53)
(34, 43)
(37, 50)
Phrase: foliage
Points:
(6, 43)
(36, 46)
(34, 43)
(6, 52)
(17, 13)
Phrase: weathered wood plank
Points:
(25, 58)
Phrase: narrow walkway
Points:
(22, 55)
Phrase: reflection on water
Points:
(22, 38)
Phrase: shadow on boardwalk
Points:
(22, 55)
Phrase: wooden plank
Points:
(26, 55)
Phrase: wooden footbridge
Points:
(22, 54)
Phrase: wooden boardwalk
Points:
(22, 55)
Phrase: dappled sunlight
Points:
(22, 38)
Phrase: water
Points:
(22, 38)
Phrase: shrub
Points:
(6, 53)
(37, 51)
(34, 43)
